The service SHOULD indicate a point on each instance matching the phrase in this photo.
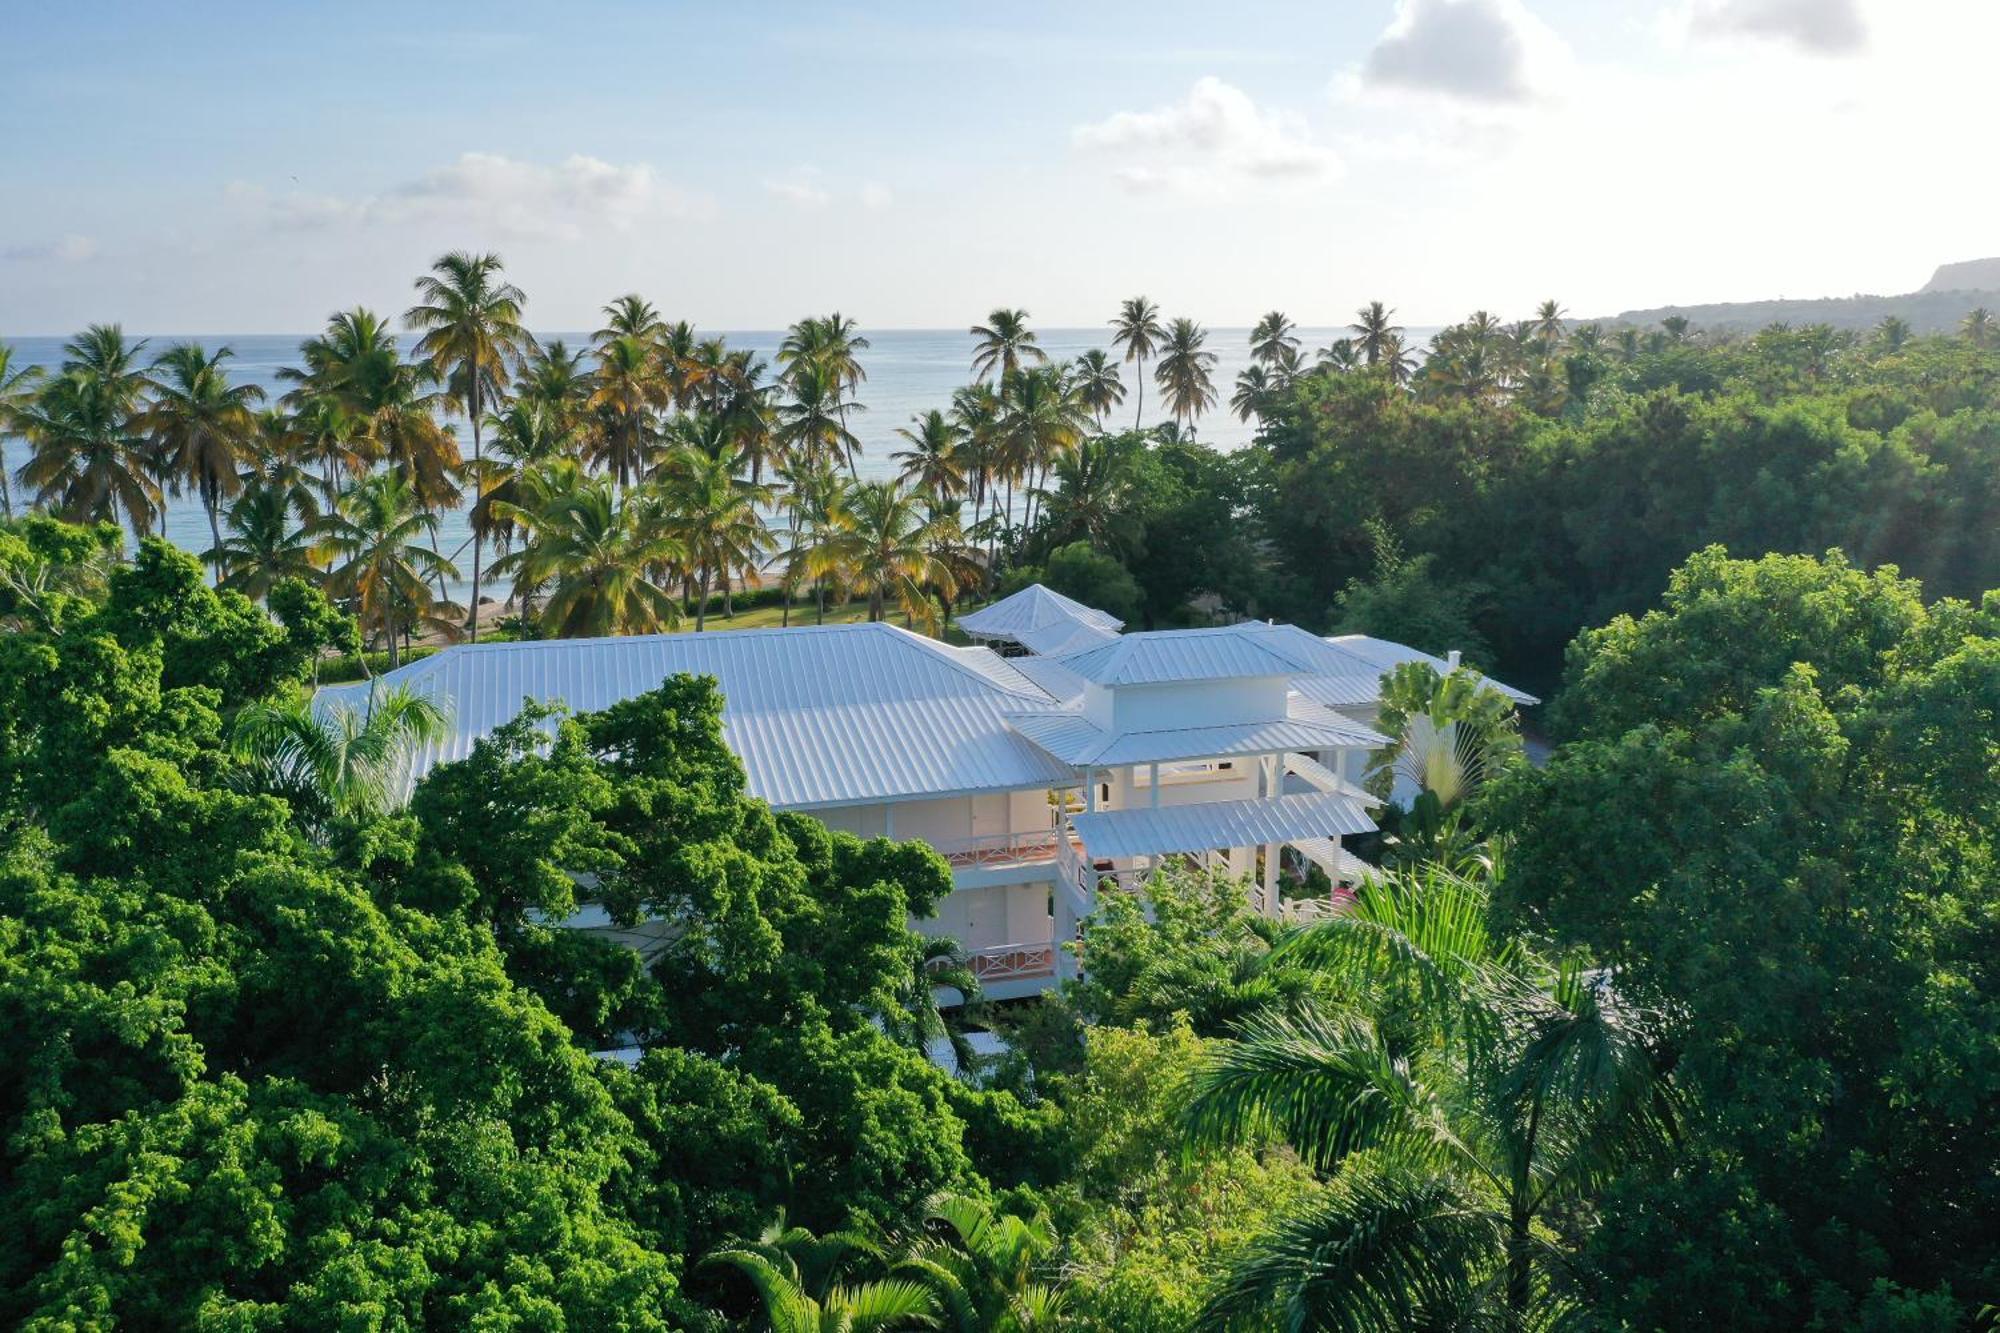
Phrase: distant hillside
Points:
(1937, 308)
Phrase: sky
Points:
(248, 168)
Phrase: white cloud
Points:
(1817, 27)
(1484, 51)
(876, 196)
(560, 201)
(801, 189)
(69, 249)
(1214, 137)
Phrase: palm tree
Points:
(885, 549)
(1474, 1091)
(982, 1263)
(822, 366)
(264, 545)
(86, 459)
(628, 387)
(335, 760)
(1253, 393)
(1002, 343)
(815, 510)
(976, 411)
(630, 316)
(1373, 333)
(714, 515)
(280, 460)
(1339, 355)
(813, 422)
(372, 538)
(528, 433)
(1977, 326)
(934, 463)
(1041, 421)
(1137, 329)
(599, 549)
(1183, 373)
(557, 378)
(394, 403)
(1094, 487)
(1548, 322)
(471, 322)
(1273, 336)
(200, 426)
(1892, 333)
(1094, 377)
(17, 390)
(865, 1307)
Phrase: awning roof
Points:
(1217, 824)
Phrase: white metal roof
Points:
(1158, 657)
(819, 716)
(1216, 824)
(1031, 609)
(1067, 636)
(1074, 739)
(1381, 655)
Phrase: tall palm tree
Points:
(830, 347)
(815, 511)
(1273, 335)
(470, 318)
(338, 760)
(281, 460)
(715, 515)
(556, 377)
(1339, 355)
(394, 403)
(1184, 373)
(1977, 326)
(886, 548)
(264, 544)
(528, 433)
(1042, 420)
(934, 462)
(628, 388)
(86, 459)
(1002, 344)
(1373, 332)
(1892, 333)
(630, 316)
(201, 427)
(976, 411)
(1474, 1091)
(1094, 376)
(812, 421)
(599, 550)
(372, 539)
(1253, 392)
(1138, 330)
(1089, 501)
(17, 391)
(1548, 322)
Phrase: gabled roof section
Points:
(1031, 611)
(1383, 655)
(839, 715)
(1069, 636)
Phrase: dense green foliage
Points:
(1777, 819)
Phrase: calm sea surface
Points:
(909, 371)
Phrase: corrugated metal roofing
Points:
(1159, 657)
(1381, 655)
(1064, 637)
(1217, 824)
(819, 716)
(1072, 738)
(1034, 608)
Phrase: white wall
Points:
(988, 918)
(1208, 703)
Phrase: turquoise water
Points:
(909, 371)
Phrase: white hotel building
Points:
(1058, 755)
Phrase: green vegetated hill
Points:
(1937, 307)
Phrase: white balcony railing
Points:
(1034, 847)
(1014, 962)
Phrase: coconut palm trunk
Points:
(478, 480)
(1139, 412)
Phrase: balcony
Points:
(1010, 971)
(1002, 858)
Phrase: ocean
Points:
(909, 371)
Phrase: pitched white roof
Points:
(1212, 824)
(1249, 648)
(1065, 636)
(1074, 739)
(1032, 612)
(1383, 655)
(819, 716)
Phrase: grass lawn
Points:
(770, 617)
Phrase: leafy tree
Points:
(1405, 601)
(1797, 760)
(1081, 571)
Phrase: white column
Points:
(1271, 879)
(889, 820)
(1153, 780)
